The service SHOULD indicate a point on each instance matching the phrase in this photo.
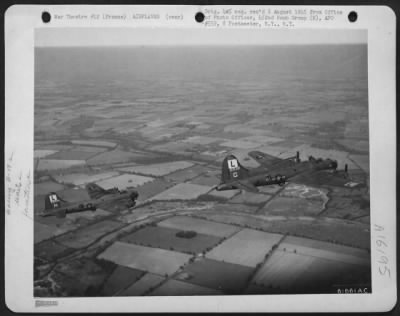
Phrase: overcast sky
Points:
(45, 37)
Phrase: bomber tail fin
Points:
(232, 170)
(52, 201)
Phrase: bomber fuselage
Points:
(280, 172)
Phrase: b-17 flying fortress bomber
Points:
(56, 206)
(167, 171)
(275, 170)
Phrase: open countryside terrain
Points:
(165, 133)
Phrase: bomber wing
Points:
(95, 191)
(264, 159)
(245, 185)
(321, 177)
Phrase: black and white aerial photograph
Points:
(185, 162)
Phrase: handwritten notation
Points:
(18, 187)
(382, 247)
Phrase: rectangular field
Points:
(247, 247)
(41, 153)
(291, 242)
(72, 155)
(200, 226)
(178, 288)
(145, 284)
(152, 188)
(250, 198)
(293, 206)
(54, 164)
(87, 235)
(202, 140)
(120, 279)
(186, 174)
(166, 238)
(182, 191)
(83, 178)
(291, 271)
(124, 181)
(43, 188)
(159, 169)
(153, 260)
(222, 276)
(100, 143)
(325, 254)
(112, 157)
(240, 144)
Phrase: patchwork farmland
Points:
(166, 138)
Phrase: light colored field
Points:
(89, 149)
(182, 191)
(240, 144)
(174, 147)
(124, 181)
(287, 270)
(186, 174)
(325, 254)
(54, 147)
(269, 189)
(360, 145)
(304, 192)
(200, 226)
(224, 194)
(159, 169)
(143, 285)
(174, 287)
(153, 260)
(291, 206)
(247, 247)
(262, 139)
(250, 198)
(291, 242)
(282, 269)
(202, 140)
(87, 235)
(83, 178)
(41, 153)
(50, 164)
(43, 188)
(206, 179)
(111, 157)
(72, 155)
(99, 143)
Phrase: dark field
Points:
(166, 238)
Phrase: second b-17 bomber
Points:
(56, 206)
(274, 170)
